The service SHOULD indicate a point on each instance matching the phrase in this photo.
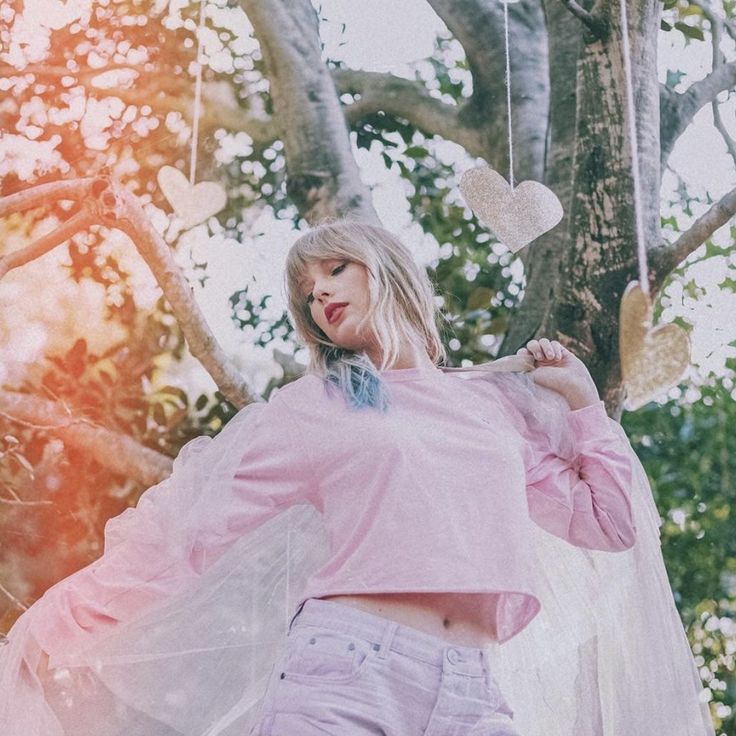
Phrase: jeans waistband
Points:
(387, 635)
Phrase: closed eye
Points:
(337, 269)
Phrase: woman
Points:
(429, 487)
(334, 275)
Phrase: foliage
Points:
(54, 499)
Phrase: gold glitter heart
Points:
(194, 204)
(516, 218)
(652, 359)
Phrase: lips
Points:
(333, 311)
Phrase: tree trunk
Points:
(324, 180)
(601, 257)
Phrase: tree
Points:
(92, 101)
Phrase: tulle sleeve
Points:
(577, 484)
(178, 530)
(607, 653)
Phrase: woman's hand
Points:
(556, 368)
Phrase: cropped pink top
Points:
(438, 494)
(435, 495)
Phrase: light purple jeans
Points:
(347, 672)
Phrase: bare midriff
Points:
(454, 617)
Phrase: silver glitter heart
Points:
(194, 204)
(516, 217)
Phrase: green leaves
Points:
(687, 452)
(690, 31)
(675, 20)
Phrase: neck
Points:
(409, 357)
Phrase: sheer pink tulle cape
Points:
(190, 651)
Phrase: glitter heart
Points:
(194, 204)
(516, 217)
(652, 359)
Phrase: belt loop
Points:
(386, 639)
(486, 659)
(298, 611)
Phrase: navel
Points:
(446, 623)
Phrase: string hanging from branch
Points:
(653, 359)
(517, 215)
(193, 203)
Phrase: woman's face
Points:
(333, 281)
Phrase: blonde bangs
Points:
(401, 296)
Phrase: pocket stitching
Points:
(325, 679)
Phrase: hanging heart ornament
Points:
(194, 204)
(516, 216)
(653, 359)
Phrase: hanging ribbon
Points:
(516, 215)
(193, 203)
(652, 359)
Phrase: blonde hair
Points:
(401, 306)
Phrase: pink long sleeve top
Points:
(436, 495)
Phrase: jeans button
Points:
(453, 656)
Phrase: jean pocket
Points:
(321, 655)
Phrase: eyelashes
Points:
(335, 270)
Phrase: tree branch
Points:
(77, 223)
(679, 109)
(721, 128)
(115, 451)
(114, 206)
(394, 95)
(664, 259)
(717, 59)
(49, 70)
(594, 23)
(65, 190)
(406, 99)
(172, 94)
(323, 177)
(704, 90)
(13, 600)
(715, 19)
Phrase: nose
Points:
(319, 291)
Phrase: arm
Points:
(219, 489)
(585, 499)
(579, 469)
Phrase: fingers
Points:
(544, 349)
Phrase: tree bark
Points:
(479, 27)
(544, 258)
(601, 255)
